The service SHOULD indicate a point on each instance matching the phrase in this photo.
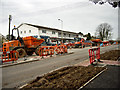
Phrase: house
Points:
(37, 31)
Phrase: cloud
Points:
(77, 15)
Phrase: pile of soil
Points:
(111, 55)
(67, 77)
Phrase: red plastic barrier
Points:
(94, 54)
(50, 50)
(70, 45)
(9, 56)
(62, 49)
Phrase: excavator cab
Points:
(18, 37)
(17, 33)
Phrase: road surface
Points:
(18, 75)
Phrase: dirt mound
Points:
(67, 77)
(110, 55)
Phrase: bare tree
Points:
(114, 3)
(104, 31)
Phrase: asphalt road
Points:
(15, 76)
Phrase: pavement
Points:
(17, 75)
(108, 79)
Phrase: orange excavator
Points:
(24, 46)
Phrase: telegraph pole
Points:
(10, 18)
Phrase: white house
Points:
(26, 29)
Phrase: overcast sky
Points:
(77, 15)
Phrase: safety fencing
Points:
(52, 50)
(94, 54)
(43, 51)
(105, 44)
(88, 44)
(84, 44)
(71, 45)
(8, 56)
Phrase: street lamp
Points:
(10, 18)
(61, 28)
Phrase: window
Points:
(24, 31)
(69, 35)
(64, 34)
(29, 31)
(53, 32)
(59, 33)
(21, 32)
(43, 31)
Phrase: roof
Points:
(37, 26)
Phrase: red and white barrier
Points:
(52, 50)
(9, 56)
(94, 54)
